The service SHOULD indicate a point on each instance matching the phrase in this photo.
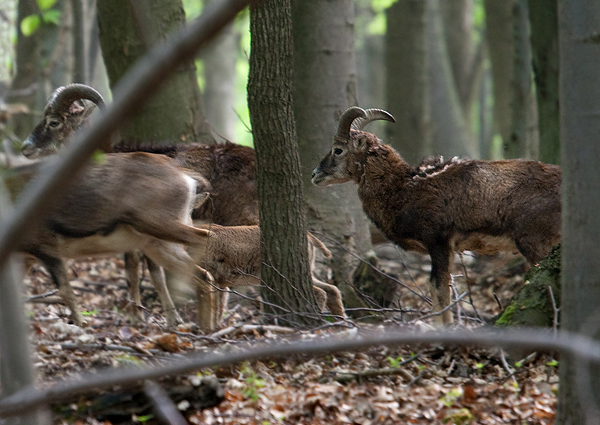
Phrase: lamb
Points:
(135, 201)
(445, 206)
(232, 257)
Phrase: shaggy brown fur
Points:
(441, 207)
(129, 201)
(232, 256)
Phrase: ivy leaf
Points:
(51, 16)
(45, 4)
(30, 24)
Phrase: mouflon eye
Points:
(337, 151)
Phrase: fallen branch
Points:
(581, 347)
(44, 295)
(250, 329)
(163, 405)
(345, 377)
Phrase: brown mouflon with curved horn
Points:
(441, 207)
(64, 114)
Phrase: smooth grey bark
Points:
(219, 90)
(371, 75)
(370, 63)
(579, 45)
(450, 134)
(407, 85)
(324, 85)
(486, 117)
(284, 251)
(499, 38)
(127, 31)
(466, 57)
(523, 141)
(16, 364)
(544, 44)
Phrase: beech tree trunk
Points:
(523, 141)
(498, 21)
(284, 250)
(407, 82)
(450, 134)
(466, 57)
(544, 42)
(325, 84)
(579, 45)
(219, 74)
(127, 31)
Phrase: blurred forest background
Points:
(457, 75)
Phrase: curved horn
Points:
(64, 96)
(372, 115)
(346, 120)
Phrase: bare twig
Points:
(362, 260)
(555, 309)
(44, 295)
(462, 261)
(344, 377)
(437, 313)
(163, 405)
(498, 301)
(506, 365)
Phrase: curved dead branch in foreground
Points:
(582, 348)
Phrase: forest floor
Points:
(380, 385)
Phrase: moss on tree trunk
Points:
(532, 305)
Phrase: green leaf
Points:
(51, 17)
(30, 24)
(45, 4)
(99, 157)
(381, 5)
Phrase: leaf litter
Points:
(379, 385)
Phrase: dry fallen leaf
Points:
(168, 342)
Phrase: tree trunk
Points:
(127, 31)
(544, 43)
(407, 82)
(534, 305)
(523, 142)
(466, 58)
(219, 74)
(79, 38)
(499, 37)
(284, 248)
(28, 85)
(450, 135)
(325, 84)
(579, 20)
(371, 87)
